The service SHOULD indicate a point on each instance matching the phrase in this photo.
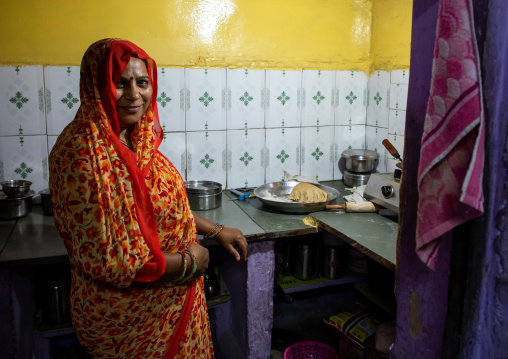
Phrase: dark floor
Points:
(303, 320)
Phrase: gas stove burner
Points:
(383, 189)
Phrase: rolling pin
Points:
(359, 207)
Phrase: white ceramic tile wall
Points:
(173, 147)
(317, 152)
(294, 121)
(377, 102)
(318, 90)
(171, 99)
(207, 156)
(245, 99)
(22, 101)
(352, 98)
(25, 157)
(282, 153)
(62, 96)
(205, 99)
(283, 102)
(245, 158)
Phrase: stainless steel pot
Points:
(204, 195)
(13, 208)
(360, 161)
(352, 179)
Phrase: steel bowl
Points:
(14, 208)
(275, 196)
(361, 161)
(16, 188)
(204, 195)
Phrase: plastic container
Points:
(314, 350)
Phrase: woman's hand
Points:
(232, 239)
(202, 257)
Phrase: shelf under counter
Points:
(291, 284)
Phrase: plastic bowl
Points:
(315, 350)
(16, 188)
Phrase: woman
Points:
(122, 210)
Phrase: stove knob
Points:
(387, 191)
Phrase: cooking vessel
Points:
(275, 195)
(204, 195)
(360, 161)
(13, 208)
(16, 188)
(352, 179)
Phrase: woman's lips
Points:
(132, 109)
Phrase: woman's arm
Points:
(232, 239)
(177, 266)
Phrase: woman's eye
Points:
(143, 83)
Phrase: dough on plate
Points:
(307, 193)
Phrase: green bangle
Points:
(184, 266)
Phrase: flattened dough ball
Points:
(307, 193)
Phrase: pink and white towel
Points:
(450, 173)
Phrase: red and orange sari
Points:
(118, 211)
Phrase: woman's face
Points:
(133, 93)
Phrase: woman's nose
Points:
(132, 91)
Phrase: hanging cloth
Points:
(450, 172)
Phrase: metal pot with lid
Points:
(360, 161)
(204, 195)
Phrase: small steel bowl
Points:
(16, 188)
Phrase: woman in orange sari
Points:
(122, 210)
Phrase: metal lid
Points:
(203, 187)
(360, 154)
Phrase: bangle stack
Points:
(193, 266)
(194, 260)
(214, 232)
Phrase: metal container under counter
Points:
(305, 261)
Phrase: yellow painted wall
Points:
(259, 34)
(391, 34)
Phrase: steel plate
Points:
(275, 196)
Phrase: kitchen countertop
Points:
(34, 238)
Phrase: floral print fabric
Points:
(117, 211)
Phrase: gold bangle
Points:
(189, 276)
(184, 263)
